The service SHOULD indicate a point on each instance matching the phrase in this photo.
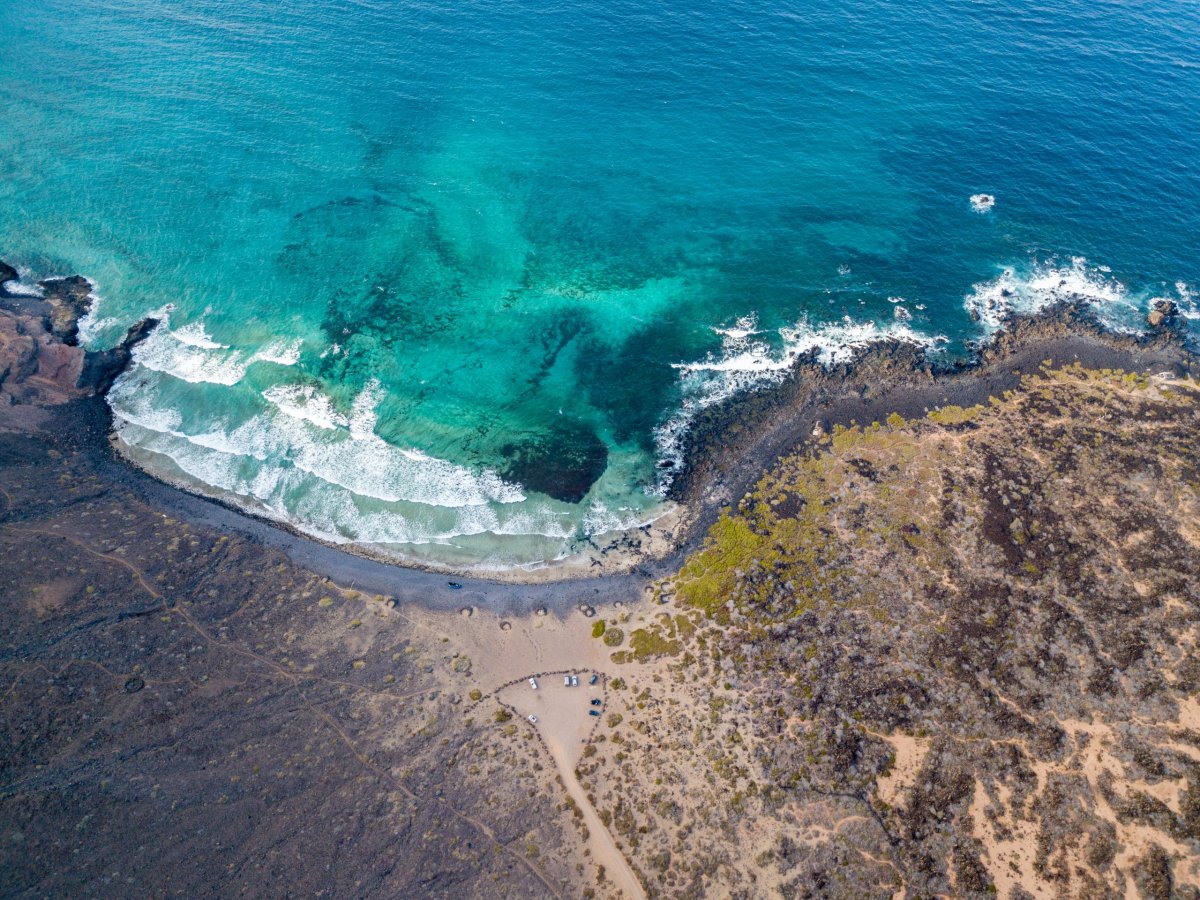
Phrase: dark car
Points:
(596, 701)
(593, 679)
(594, 712)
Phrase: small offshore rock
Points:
(506, 626)
(540, 611)
(981, 203)
(467, 611)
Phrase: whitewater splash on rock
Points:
(749, 361)
(992, 303)
(982, 203)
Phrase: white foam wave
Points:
(322, 507)
(743, 328)
(748, 364)
(284, 353)
(21, 289)
(993, 303)
(599, 519)
(195, 334)
(163, 351)
(302, 430)
(190, 354)
(304, 401)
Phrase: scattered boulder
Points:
(1162, 313)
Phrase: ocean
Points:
(448, 281)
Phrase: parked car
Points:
(533, 683)
(596, 701)
(593, 679)
(574, 681)
(566, 681)
(533, 718)
(594, 712)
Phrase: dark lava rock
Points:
(133, 684)
(70, 299)
(563, 462)
(101, 368)
(7, 272)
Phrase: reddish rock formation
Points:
(41, 363)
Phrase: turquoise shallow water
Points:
(448, 279)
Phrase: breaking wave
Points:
(190, 354)
(748, 360)
(993, 303)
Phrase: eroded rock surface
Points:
(41, 363)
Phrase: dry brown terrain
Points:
(949, 657)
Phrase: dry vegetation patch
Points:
(954, 655)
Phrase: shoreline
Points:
(729, 447)
(623, 553)
(732, 444)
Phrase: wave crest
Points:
(748, 363)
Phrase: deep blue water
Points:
(447, 279)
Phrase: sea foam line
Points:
(747, 363)
(190, 354)
(992, 303)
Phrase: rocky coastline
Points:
(732, 443)
(48, 382)
(41, 361)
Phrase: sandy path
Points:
(565, 727)
(604, 849)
